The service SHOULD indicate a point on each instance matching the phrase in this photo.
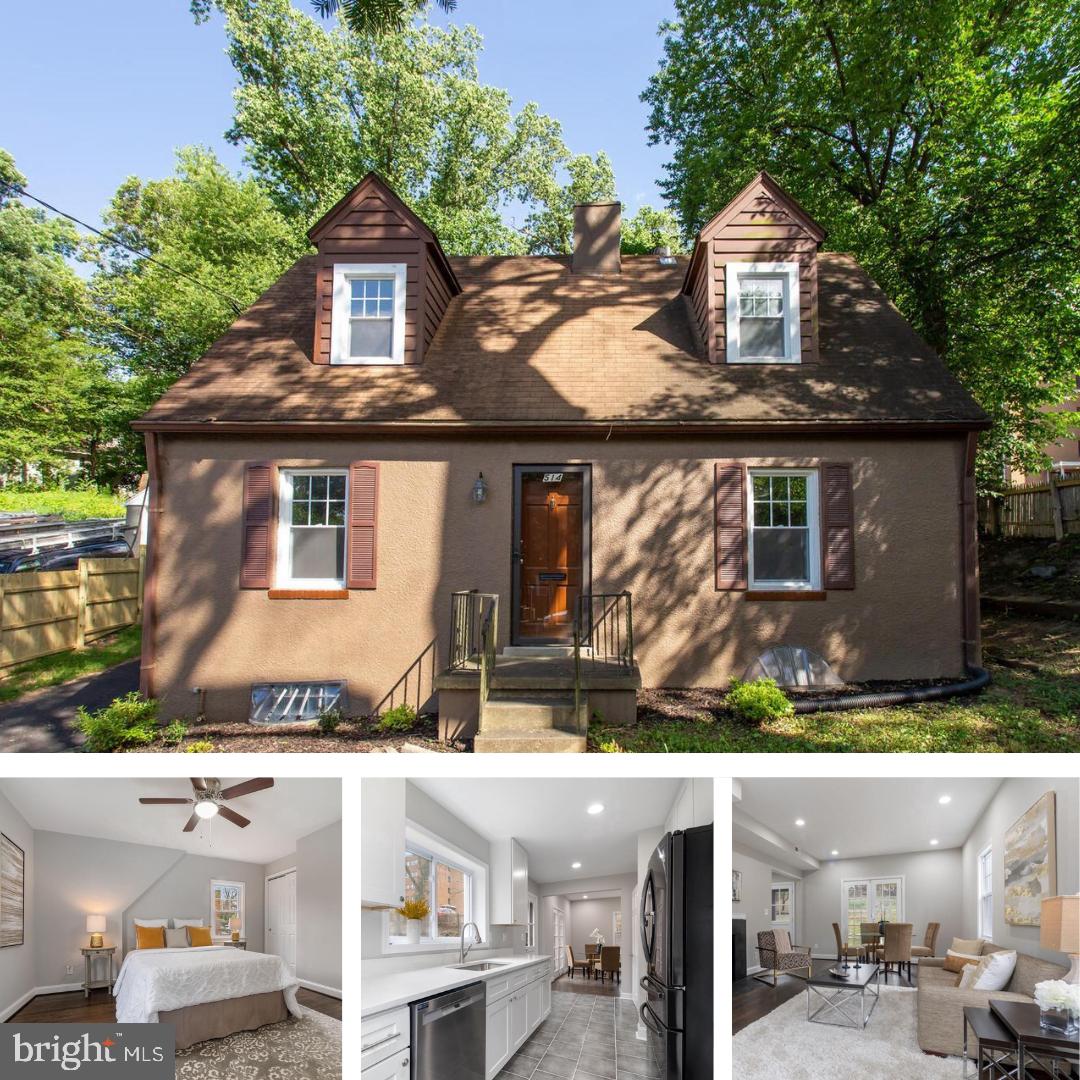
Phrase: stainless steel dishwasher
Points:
(449, 1035)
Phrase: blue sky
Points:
(107, 90)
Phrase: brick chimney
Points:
(597, 232)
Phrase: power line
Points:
(237, 306)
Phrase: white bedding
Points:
(153, 981)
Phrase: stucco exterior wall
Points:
(652, 533)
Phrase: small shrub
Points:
(173, 734)
(400, 718)
(758, 701)
(128, 721)
(199, 746)
(329, 720)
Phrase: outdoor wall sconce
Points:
(479, 491)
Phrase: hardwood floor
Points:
(752, 999)
(73, 1008)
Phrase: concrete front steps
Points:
(522, 722)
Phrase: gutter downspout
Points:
(154, 506)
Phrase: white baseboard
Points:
(754, 969)
(37, 991)
(330, 991)
(16, 1005)
(59, 988)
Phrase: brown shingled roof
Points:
(529, 342)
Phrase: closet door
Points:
(281, 918)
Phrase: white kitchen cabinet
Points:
(393, 1068)
(509, 884)
(534, 1003)
(703, 800)
(545, 986)
(499, 1046)
(519, 1019)
(382, 844)
(681, 815)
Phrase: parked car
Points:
(64, 558)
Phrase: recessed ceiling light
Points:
(799, 821)
(933, 843)
(206, 809)
(596, 808)
(945, 800)
(575, 866)
(585, 896)
(834, 852)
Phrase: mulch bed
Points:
(352, 737)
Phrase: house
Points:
(210, 907)
(576, 938)
(882, 922)
(396, 463)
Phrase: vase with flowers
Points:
(414, 912)
(1059, 1006)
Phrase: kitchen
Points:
(536, 927)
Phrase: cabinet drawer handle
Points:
(404, 1062)
(378, 1042)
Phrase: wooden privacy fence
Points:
(49, 611)
(1051, 510)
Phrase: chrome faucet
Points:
(479, 940)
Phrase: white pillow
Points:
(180, 923)
(151, 922)
(968, 977)
(995, 971)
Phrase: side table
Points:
(237, 944)
(1038, 1052)
(995, 1046)
(88, 965)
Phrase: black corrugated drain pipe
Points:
(979, 677)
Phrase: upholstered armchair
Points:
(929, 945)
(897, 947)
(779, 957)
(843, 949)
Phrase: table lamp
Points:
(1059, 929)
(234, 926)
(95, 927)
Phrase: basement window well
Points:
(294, 702)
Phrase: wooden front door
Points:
(551, 505)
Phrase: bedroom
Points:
(212, 906)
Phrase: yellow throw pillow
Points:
(150, 937)
(956, 962)
(199, 935)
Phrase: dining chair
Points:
(610, 964)
(843, 949)
(573, 964)
(897, 947)
(870, 936)
(929, 946)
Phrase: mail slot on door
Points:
(552, 576)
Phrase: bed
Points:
(205, 992)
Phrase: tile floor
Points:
(586, 1037)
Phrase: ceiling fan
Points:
(210, 798)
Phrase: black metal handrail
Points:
(468, 610)
(489, 635)
(604, 629)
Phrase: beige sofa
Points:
(940, 1005)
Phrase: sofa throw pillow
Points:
(967, 946)
(199, 935)
(956, 961)
(149, 937)
(967, 978)
(176, 939)
(181, 923)
(994, 971)
(151, 922)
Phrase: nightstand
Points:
(88, 962)
(237, 944)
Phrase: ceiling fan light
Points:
(206, 809)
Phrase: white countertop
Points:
(402, 987)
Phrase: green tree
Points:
(50, 375)
(317, 108)
(935, 140)
(650, 229)
(371, 17)
(551, 228)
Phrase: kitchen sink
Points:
(478, 965)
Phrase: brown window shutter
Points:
(730, 525)
(363, 523)
(259, 526)
(838, 526)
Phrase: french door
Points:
(870, 900)
(558, 938)
(782, 907)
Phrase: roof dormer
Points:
(383, 280)
(752, 279)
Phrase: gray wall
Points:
(17, 975)
(932, 892)
(589, 915)
(318, 907)
(756, 901)
(1011, 800)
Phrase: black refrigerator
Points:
(677, 944)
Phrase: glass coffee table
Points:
(838, 991)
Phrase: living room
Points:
(901, 924)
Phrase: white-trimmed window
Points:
(226, 903)
(763, 313)
(368, 325)
(785, 532)
(986, 893)
(454, 885)
(311, 528)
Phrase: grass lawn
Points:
(1032, 706)
(61, 667)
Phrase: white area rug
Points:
(784, 1044)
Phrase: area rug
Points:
(307, 1047)
(785, 1044)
